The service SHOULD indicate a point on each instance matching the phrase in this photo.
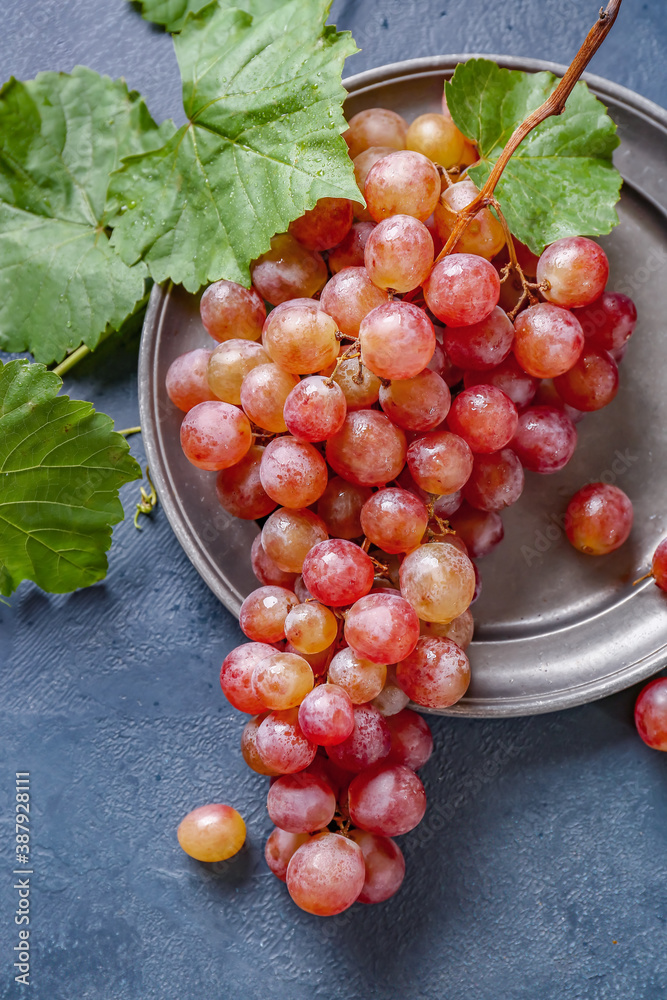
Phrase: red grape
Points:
(462, 289)
(436, 674)
(397, 340)
(229, 364)
(482, 346)
(399, 253)
(326, 875)
(236, 676)
(548, 340)
(411, 739)
(350, 251)
(349, 296)
(484, 417)
(509, 377)
(659, 565)
(282, 680)
(382, 627)
(338, 572)
(481, 530)
(440, 462)
(340, 507)
(265, 569)
(315, 409)
(288, 271)
(417, 404)
(279, 849)
(289, 535)
(574, 270)
(394, 520)
(651, 714)
(368, 742)
(402, 183)
(385, 866)
(375, 127)
(262, 615)
(301, 803)
(281, 743)
(368, 450)
(361, 679)
(215, 435)
(437, 137)
(292, 472)
(496, 480)
(609, 321)
(186, 380)
(239, 488)
(326, 715)
(545, 439)
(591, 383)
(229, 310)
(598, 519)
(323, 226)
(388, 799)
(438, 580)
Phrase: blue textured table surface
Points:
(539, 871)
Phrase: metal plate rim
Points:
(625, 676)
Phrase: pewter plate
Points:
(554, 628)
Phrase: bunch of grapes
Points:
(376, 422)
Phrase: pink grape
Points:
(402, 183)
(279, 849)
(292, 472)
(391, 699)
(282, 680)
(460, 630)
(229, 364)
(236, 676)
(442, 364)
(350, 250)
(229, 310)
(484, 417)
(397, 340)
(399, 253)
(360, 387)
(186, 381)
(289, 535)
(417, 404)
(323, 226)
(240, 490)
(496, 481)
(215, 435)
(326, 715)
(301, 803)
(443, 505)
(249, 746)
(651, 714)
(264, 392)
(281, 743)
(483, 236)
(362, 164)
(262, 615)
(385, 866)
(348, 297)
(545, 439)
(394, 520)
(575, 271)
(288, 271)
(266, 571)
(482, 346)
(368, 450)
(609, 321)
(659, 565)
(547, 395)
(388, 800)
(340, 507)
(548, 340)
(437, 137)
(315, 409)
(319, 662)
(462, 289)
(300, 337)
(411, 739)
(326, 875)
(375, 127)
(382, 628)
(436, 674)
(438, 580)
(481, 530)
(598, 519)
(440, 462)
(368, 742)
(338, 572)
(311, 627)
(213, 832)
(509, 377)
(361, 679)
(591, 383)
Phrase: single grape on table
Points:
(376, 410)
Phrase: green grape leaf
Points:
(560, 181)
(61, 281)
(263, 97)
(61, 466)
(173, 13)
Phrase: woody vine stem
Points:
(554, 105)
